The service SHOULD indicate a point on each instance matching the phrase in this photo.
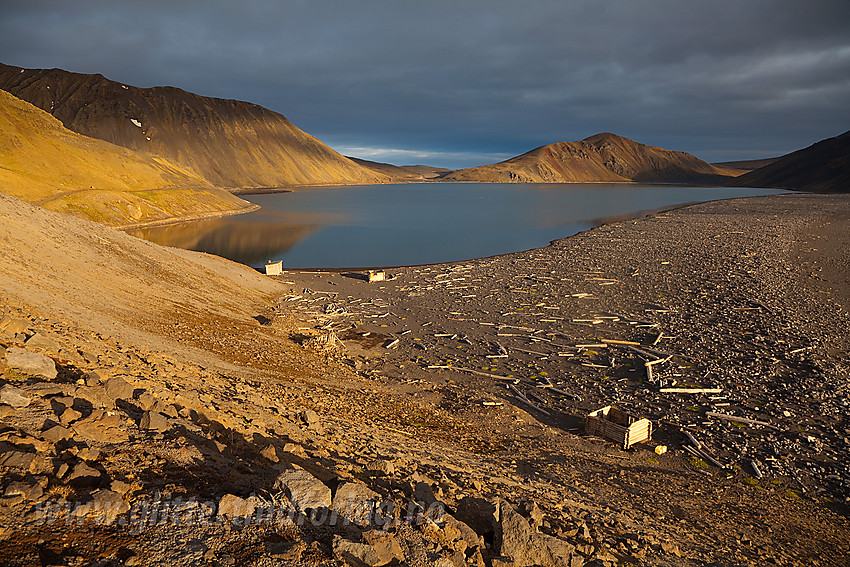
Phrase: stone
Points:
(479, 514)
(118, 389)
(57, 434)
(381, 467)
(304, 490)
(31, 363)
(154, 421)
(11, 326)
(107, 505)
(357, 554)
(295, 449)
(30, 492)
(83, 476)
(69, 416)
(309, 417)
(532, 512)
(102, 427)
(232, 507)
(40, 343)
(19, 460)
(270, 453)
(121, 487)
(385, 545)
(147, 401)
(516, 539)
(424, 493)
(286, 551)
(15, 397)
(356, 503)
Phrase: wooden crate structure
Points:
(376, 275)
(618, 426)
(274, 268)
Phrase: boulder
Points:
(30, 492)
(17, 460)
(40, 343)
(69, 416)
(304, 490)
(15, 397)
(107, 505)
(233, 507)
(83, 476)
(154, 421)
(516, 539)
(357, 554)
(11, 326)
(356, 503)
(118, 388)
(385, 545)
(57, 434)
(102, 427)
(380, 467)
(479, 514)
(31, 363)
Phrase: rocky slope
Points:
(822, 167)
(229, 143)
(44, 163)
(601, 158)
(194, 412)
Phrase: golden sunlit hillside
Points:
(44, 163)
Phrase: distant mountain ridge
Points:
(823, 167)
(229, 143)
(603, 157)
(44, 163)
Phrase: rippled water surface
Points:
(420, 223)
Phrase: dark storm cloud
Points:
(472, 82)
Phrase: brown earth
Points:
(229, 143)
(44, 163)
(601, 158)
(746, 295)
(822, 167)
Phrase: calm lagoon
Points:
(419, 223)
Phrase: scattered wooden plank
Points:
(691, 390)
(728, 417)
(471, 371)
(618, 342)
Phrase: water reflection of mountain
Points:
(250, 243)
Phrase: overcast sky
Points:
(459, 83)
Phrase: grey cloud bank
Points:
(467, 83)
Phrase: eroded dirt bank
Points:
(197, 381)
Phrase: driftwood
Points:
(740, 419)
(691, 390)
(471, 371)
(521, 397)
(756, 469)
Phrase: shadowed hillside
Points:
(601, 158)
(44, 163)
(229, 143)
(822, 167)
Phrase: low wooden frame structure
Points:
(618, 426)
(274, 268)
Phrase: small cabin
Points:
(274, 268)
(618, 426)
(376, 275)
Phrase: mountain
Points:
(404, 173)
(746, 165)
(231, 144)
(822, 167)
(601, 158)
(44, 163)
